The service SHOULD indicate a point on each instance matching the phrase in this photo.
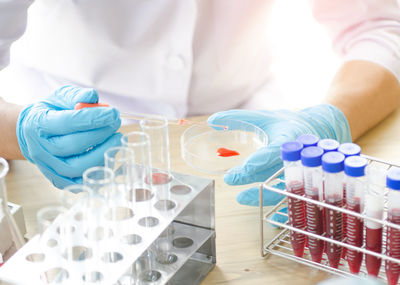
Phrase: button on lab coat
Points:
(181, 57)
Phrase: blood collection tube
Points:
(348, 149)
(374, 205)
(333, 165)
(308, 140)
(354, 168)
(393, 235)
(311, 160)
(290, 153)
(328, 145)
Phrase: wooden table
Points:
(237, 226)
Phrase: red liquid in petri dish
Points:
(354, 237)
(314, 221)
(296, 216)
(224, 152)
(334, 230)
(393, 248)
(373, 242)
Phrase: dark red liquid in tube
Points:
(393, 248)
(373, 242)
(334, 230)
(344, 250)
(296, 215)
(314, 221)
(354, 237)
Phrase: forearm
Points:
(9, 147)
(365, 92)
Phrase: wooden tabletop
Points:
(238, 240)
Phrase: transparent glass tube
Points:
(13, 239)
(156, 127)
(143, 194)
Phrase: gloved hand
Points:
(64, 142)
(324, 121)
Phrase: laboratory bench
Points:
(238, 246)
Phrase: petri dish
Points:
(200, 145)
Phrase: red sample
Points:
(160, 178)
(344, 220)
(334, 230)
(296, 216)
(314, 221)
(373, 242)
(79, 106)
(393, 248)
(224, 152)
(354, 237)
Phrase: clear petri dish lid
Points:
(215, 150)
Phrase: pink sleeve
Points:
(13, 17)
(363, 29)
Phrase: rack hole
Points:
(149, 276)
(92, 277)
(141, 195)
(35, 257)
(166, 258)
(182, 242)
(119, 214)
(165, 205)
(54, 275)
(131, 239)
(112, 257)
(148, 222)
(77, 253)
(95, 234)
(181, 189)
(52, 242)
(78, 216)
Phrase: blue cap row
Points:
(333, 162)
(290, 151)
(311, 156)
(328, 145)
(354, 166)
(393, 178)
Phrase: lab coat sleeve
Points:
(13, 18)
(363, 29)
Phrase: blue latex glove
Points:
(324, 121)
(64, 142)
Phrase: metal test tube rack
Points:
(193, 239)
(280, 244)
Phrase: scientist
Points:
(179, 58)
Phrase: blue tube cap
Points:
(354, 166)
(311, 156)
(290, 151)
(308, 140)
(349, 149)
(328, 145)
(333, 162)
(393, 178)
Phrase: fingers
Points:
(232, 118)
(257, 168)
(251, 197)
(78, 143)
(280, 217)
(68, 96)
(53, 123)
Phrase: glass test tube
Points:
(308, 140)
(143, 194)
(333, 165)
(348, 149)
(354, 167)
(393, 235)
(374, 205)
(97, 229)
(290, 153)
(311, 160)
(156, 127)
(12, 233)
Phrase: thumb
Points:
(68, 96)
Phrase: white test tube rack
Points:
(280, 244)
(193, 237)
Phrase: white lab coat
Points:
(177, 58)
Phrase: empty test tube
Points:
(393, 235)
(374, 208)
(290, 153)
(354, 167)
(311, 160)
(333, 165)
(308, 140)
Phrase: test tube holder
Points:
(193, 242)
(280, 244)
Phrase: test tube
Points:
(374, 205)
(328, 145)
(156, 127)
(354, 168)
(333, 165)
(311, 160)
(348, 149)
(393, 235)
(308, 140)
(290, 153)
